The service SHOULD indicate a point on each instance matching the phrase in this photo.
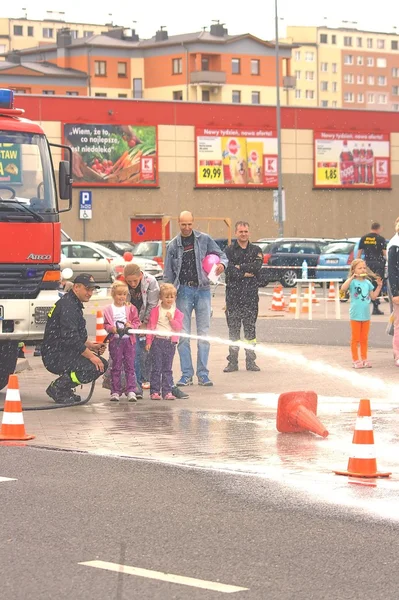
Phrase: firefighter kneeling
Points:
(65, 349)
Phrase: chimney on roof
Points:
(161, 35)
(14, 57)
(64, 37)
(218, 29)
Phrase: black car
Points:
(290, 253)
(118, 247)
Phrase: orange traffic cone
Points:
(293, 301)
(314, 297)
(296, 411)
(362, 460)
(101, 334)
(331, 292)
(12, 426)
(278, 298)
(306, 300)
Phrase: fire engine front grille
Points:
(21, 281)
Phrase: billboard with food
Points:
(10, 163)
(236, 158)
(113, 155)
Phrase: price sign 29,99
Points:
(210, 171)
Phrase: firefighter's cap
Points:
(87, 280)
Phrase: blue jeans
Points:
(199, 300)
(140, 363)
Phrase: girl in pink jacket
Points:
(122, 349)
(166, 318)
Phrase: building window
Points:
(370, 80)
(309, 94)
(309, 75)
(395, 90)
(380, 44)
(297, 55)
(122, 69)
(395, 72)
(382, 63)
(347, 41)
(370, 61)
(333, 39)
(348, 59)
(309, 56)
(2, 49)
(324, 67)
(18, 30)
(298, 93)
(324, 86)
(31, 31)
(348, 78)
(348, 97)
(122, 95)
(177, 66)
(359, 42)
(138, 88)
(382, 80)
(334, 104)
(48, 32)
(206, 95)
(255, 99)
(297, 74)
(74, 34)
(382, 99)
(100, 68)
(334, 67)
(370, 98)
(360, 97)
(100, 95)
(323, 38)
(236, 97)
(369, 42)
(324, 104)
(72, 93)
(204, 63)
(178, 95)
(48, 92)
(395, 107)
(87, 34)
(360, 79)
(394, 45)
(235, 66)
(255, 66)
(360, 60)
(334, 86)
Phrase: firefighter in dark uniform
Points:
(65, 349)
(242, 298)
(374, 247)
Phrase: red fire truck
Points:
(30, 231)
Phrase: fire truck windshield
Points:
(26, 174)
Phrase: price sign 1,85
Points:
(327, 175)
(210, 174)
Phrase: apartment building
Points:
(344, 68)
(207, 66)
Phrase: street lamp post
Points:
(278, 120)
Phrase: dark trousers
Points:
(378, 267)
(242, 315)
(74, 370)
(142, 364)
(123, 353)
(162, 354)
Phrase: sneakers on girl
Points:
(169, 396)
(114, 398)
(367, 364)
(358, 364)
(131, 397)
(155, 397)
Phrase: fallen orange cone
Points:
(362, 461)
(296, 411)
(12, 426)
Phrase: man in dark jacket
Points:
(65, 349)
(374, 247)
(242, 298)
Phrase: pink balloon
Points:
(209, 261)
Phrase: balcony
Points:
(208, 77)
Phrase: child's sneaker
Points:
(169, 396)
(131, 397)
(114, 398)
(358, 364)
(155, 397)
(367, 364)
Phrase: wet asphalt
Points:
(67, 508)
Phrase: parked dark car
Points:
(290, 254)
(118, 247)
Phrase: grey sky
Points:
(256, 16)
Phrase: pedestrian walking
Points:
(242, 295)
(393, 280)
(183, 268)
(120, 316)
(66, 350)
(163, 318)
(374, 246)
(361, 292)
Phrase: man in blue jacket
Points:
(183, 268)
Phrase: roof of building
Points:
(45, 68)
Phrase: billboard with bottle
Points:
(351, 160)
(236, 158)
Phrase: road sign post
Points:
(85, 209)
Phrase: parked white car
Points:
(104, 264)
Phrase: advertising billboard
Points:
(351, 160)
(10, 163)
(236, 158)
(113, 155)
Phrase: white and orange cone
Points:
(12, 426)
(293, 301)
(101, 334)
(307, 298)
(314, 297)
(278, 298)
(331, 292)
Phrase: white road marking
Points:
(7, 479)
(168, 577)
